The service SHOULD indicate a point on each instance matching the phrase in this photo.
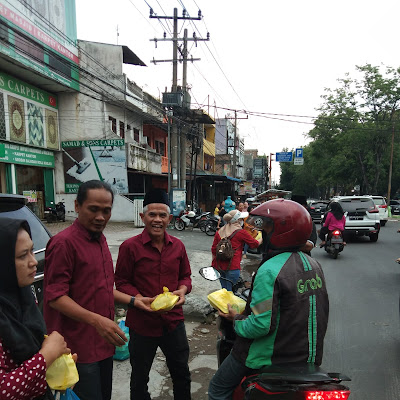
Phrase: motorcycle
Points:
(297, 381)
(211, 225)
(184, 220)
(55, 212)
(334, 243)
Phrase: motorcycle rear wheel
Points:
(211, 229)
(179, 225)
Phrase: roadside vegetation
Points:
(351, 142)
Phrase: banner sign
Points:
(15, 154)
(26, 90)
(102, 159)
(284, 156)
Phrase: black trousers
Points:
(95, 380)
(324, 231)
(175, 347)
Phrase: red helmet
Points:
(292, 224)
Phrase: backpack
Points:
(224, 249)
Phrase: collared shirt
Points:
(143, 269)
(80, 267)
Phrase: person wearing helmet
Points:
(286, 314)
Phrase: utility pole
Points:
(390, 168)
(234, 158)
(178, 97)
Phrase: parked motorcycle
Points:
(211, 225)
(55, 212)
(185, 220)
(334, 243)
(303, 381)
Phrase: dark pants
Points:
(95, 380)
(175, 347)
(324, 231)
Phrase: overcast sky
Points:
(273, 58)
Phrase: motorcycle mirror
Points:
(209, 273)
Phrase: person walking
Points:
(230, 269)
(146, 263)
(251, 229)
(79, 291)
(25, 353)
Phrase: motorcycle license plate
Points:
(338, 240)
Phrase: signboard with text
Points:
(284, 156)
(16, 154)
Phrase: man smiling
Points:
(146, 263)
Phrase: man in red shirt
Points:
(146, 263)
(79, 291)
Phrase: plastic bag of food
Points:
(164, 301)
(62, 374)
(259, 235)
(221, 298)
(122, 352)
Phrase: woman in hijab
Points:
(25, 354)
(230, 269)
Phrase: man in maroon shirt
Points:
(146, 263)
(79, 291)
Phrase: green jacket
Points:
(286, 317)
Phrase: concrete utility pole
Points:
(178, 143)
(234, 159)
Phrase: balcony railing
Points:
(143, 159)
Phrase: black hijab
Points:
(22, 327)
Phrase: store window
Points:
(30, 182)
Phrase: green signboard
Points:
(16, 154)
(23, 89)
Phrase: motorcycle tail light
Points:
(336, 233)
(331, 395)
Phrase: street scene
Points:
(362, 340)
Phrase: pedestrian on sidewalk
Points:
(79, 291)
(146, 263)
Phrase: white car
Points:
(380, 202)
(362, 216)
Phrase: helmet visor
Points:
(259, 222)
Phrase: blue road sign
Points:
(284, 156)
(299, 153)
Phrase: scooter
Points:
(55, 212)
(334, 243)
(211, 225)
(189, 219)
(280, 382)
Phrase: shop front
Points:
(28, 138)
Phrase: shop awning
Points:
(233, 179)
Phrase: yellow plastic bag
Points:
(259, 235)
(221, 298)
(62, 374)
(164, 301)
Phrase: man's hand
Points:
(143, 303)
(231, 313)
(110, 331)
(181, 293)
(307, 247)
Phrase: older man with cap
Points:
(146, 263)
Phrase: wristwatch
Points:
(132, 302)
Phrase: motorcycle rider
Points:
(286, 314)
(335, 219)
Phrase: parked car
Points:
(395, 207)
(317, 209)
(14, 206)
(362, 216)
(380, 202)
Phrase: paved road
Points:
(363, 335)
